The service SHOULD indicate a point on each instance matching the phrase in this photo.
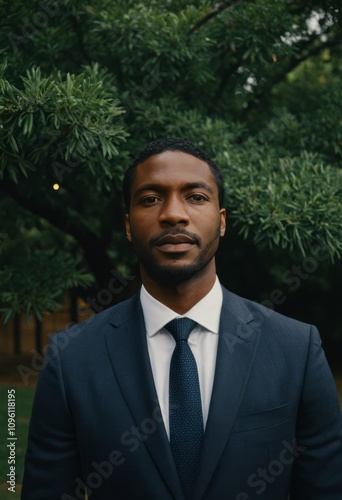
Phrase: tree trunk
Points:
(39, 335)
(16, 334)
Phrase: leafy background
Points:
(85, 86)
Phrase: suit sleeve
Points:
(52, 462)
(317, 473)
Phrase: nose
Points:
(173, 212)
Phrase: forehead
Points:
(172, 168)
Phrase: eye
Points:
(197, 197)
(149, 200)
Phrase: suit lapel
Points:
(238, 340)
(128, 351)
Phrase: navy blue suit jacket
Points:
(274, 428)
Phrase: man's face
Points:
(175, 221)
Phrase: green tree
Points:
(84, 86)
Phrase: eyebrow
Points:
(187, 186)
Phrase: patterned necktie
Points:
(185, 409)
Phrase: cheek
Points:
(145, 225)
(211, 226)
(140, 233)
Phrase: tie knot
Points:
(180, 328)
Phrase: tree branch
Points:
(311, 51)
(224, 80)
(41, 209)
(93, 247)
(214, 12)
(79, 36)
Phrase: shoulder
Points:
(239, 304)
(92, 331)
(280, 341)
(270, 324)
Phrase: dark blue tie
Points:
(185, 408)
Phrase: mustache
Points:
(174, 232)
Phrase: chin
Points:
(177, 273)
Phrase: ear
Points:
(128, 227)
(223, 216)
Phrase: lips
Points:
(175, 243)
(175, 239)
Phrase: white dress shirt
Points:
(203, 341)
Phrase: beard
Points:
(174, 273)
(170, 274)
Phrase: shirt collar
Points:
(206, 312)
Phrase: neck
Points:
(180, 297)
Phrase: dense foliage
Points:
(85, 85)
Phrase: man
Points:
(185, 390)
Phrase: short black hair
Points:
(170, 144)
